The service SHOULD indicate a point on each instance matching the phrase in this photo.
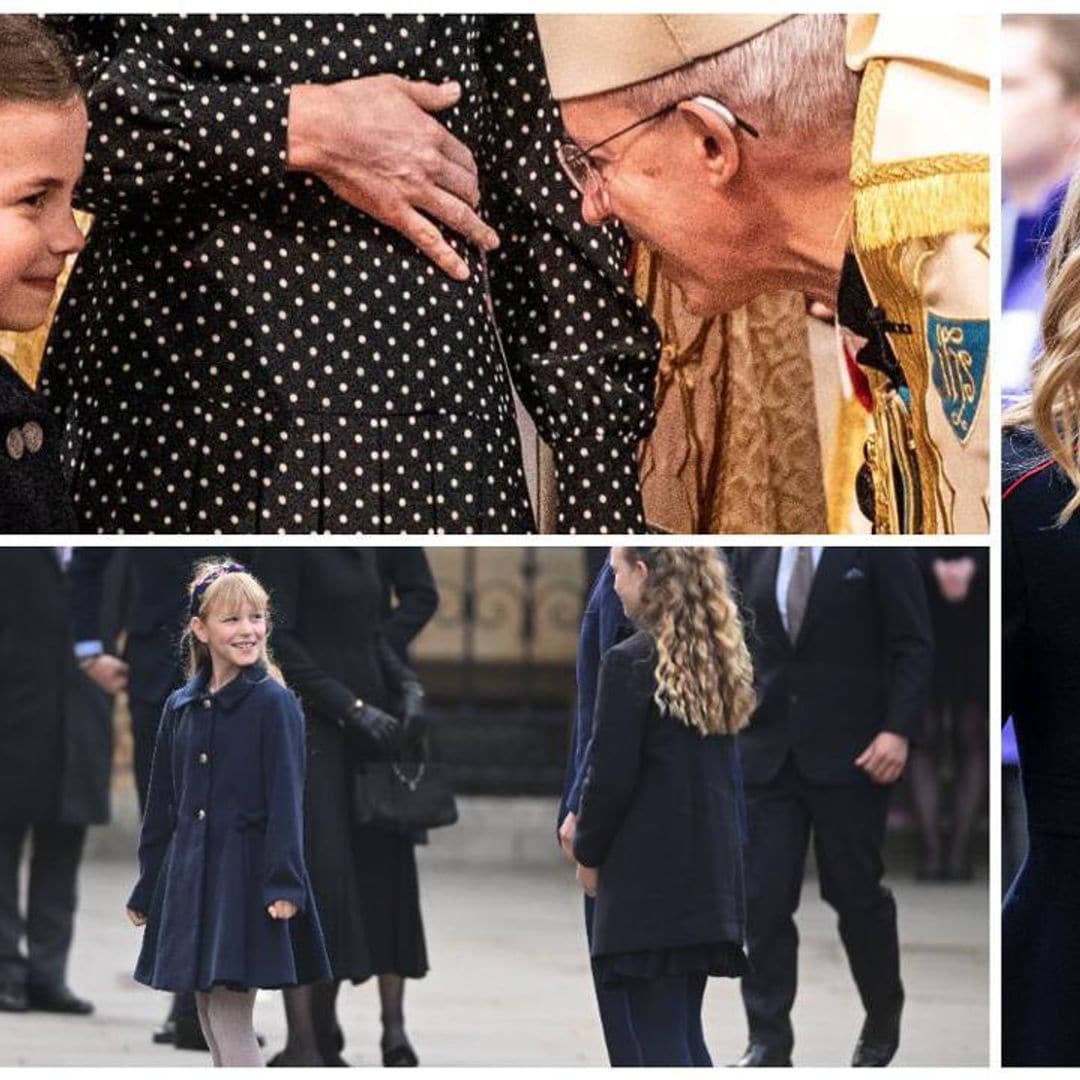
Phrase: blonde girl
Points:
(661, 824)
(223, 889)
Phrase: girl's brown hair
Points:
(704, 676)
(229, 591)
(35, 64)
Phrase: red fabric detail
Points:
(1027, 476)
(859, 382)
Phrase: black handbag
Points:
(403, 796)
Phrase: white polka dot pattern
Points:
(239, 350)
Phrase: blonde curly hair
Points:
(1052, 408)
(229, 591)
(704, 675)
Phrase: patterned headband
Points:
(201, 586)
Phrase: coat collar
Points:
(229, 696)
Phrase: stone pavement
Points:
(509, 983)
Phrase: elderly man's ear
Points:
(717, 146)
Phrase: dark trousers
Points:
(665, 1014)
(848, 826)
(51, 900)
(622, 1046)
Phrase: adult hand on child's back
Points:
(281, 909)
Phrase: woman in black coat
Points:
(957, 587)
(328, 607)
(660, 827)
(1040, 608)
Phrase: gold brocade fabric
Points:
(736, 447)
(24, 352)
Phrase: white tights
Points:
(225, 1017)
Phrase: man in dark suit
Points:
(603, 624)
(55, 764)
(843, 658)
(153, 619)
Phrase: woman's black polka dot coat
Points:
(241, 351)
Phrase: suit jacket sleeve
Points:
(159, 820)
(909, 640)
(283, 780)
(407, 574)
(86, 582)
(1013, 622)
(614, 757)
(324, 697)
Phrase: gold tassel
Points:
(891, 210)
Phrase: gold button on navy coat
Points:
(223, 838)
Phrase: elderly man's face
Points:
(661, 182)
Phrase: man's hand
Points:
(566, 834)
(109, 672)
(281, 909)
(884, 759)
(137, 917)
(588, 878)
(373, 142)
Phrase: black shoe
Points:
(166, 1034)
(284, 1060)
(189, 1035)
(56, 998)
(878, 1040)
(400, 1056)
(760, 1056)
(12, 997)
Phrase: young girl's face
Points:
(235, 638)
(630, 575)
(41, 160)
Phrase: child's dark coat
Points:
(223, 838)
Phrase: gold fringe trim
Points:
(897, 201)
(897, 210)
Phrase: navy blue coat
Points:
(661, 815)
(223, 838)
(603, 624)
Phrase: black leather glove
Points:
(412, 709)
(376, 730)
